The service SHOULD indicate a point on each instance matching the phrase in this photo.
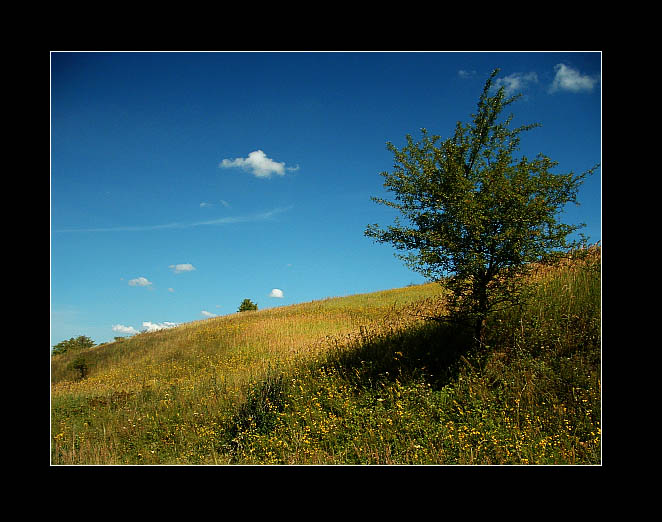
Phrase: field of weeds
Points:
(353, 380)
(180, 383)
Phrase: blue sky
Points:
(182, 183)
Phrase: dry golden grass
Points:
(207, 364)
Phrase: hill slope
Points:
(351, 380)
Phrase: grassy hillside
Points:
(362, 379)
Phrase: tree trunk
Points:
(482, 309)
(480, 330)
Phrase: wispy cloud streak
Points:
(264, 216)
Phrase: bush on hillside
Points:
(74, 344)
(247, 305)
(80, 364)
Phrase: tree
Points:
(80, 364)
(246, 305)
(74, 344)
(478, 217)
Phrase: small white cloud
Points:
(153, 327)
(124, 329)
(171, 290)
(207, 314)
(466, 74)
(569, 79)
(224, 203)
(258, 164)
(516, 82)
(276, 292)
(139, 281)
(182, 267)
(205, 204)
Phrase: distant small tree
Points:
(478, 217)
(247, 305)
(74, 344)
(80, 364)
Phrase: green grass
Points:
(350, 380)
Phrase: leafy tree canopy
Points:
(74, 344)
(476, 215)
(247, 305)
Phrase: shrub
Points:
(73, 344)
(80, 364)
(247, 305)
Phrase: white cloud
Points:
(171, 290)
(207, 314)
(466, 74)
(153, 327)
(569, 79)
(276, 292)
(148, 326)
(258, 164)
(124, 329)
(182, 267)
(516, 82)
(206, 204)
(139, 281)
